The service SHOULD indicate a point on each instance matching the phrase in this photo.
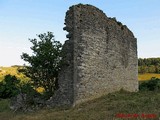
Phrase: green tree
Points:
(142, 69)
(151, 69)
(149, 65)
(44, 63)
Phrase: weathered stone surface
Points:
(18, 102)
(24, 103)
(101, 56)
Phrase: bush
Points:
(151, 85)
(26, 88)
(9, 87)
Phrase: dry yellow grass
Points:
(12, 71)
(147, 76)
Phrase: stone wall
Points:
(101, 57)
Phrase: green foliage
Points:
(151, 85)
(9, 87)
(149, 65)
(27, 88)
(148, 61)
(44, 63)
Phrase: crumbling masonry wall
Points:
(101, 57)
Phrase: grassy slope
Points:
(104, 108)
(11, 71)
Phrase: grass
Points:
(12, 71)
(104, 108)
(147, 76)
(4, 105)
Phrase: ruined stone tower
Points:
(101, 57)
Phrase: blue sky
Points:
(23, 19)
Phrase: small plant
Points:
(119, 23)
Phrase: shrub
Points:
(151, 85)
(27, 88)
(9, 87)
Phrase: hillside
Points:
(113, 106)
(12, 71)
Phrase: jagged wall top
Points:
(95, 14)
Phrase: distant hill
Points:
(12, 71)
(16, 66)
